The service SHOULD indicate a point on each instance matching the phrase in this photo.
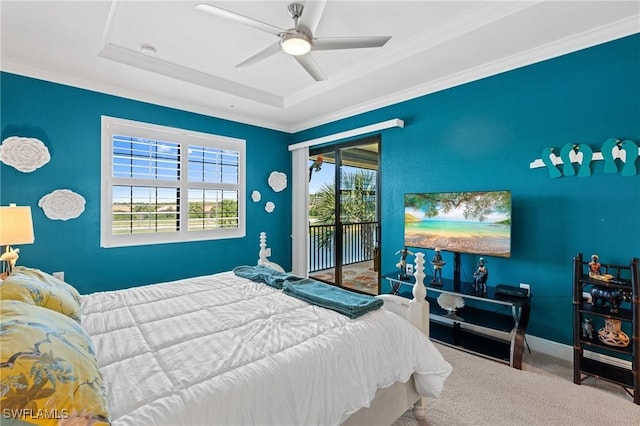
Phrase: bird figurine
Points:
(317, 165)
(11, 257)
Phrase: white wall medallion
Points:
(277, 181)
(62, 204)
(256, 196)
(25, 154)
(269, 206)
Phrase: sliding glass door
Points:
(343, 215)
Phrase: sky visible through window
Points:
(326, 176)
(169, 185)
(139, 158)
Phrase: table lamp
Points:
(16, 227)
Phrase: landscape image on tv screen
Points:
(465, 222)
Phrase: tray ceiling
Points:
(170, 53)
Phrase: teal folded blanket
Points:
(331, 297)
(263, 274)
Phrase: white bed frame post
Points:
(419, 316)
(262, 255)
(419, 307)
(391, 402)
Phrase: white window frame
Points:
(111, 126)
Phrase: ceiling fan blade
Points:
(310, 65)
(311, 14)
(334, 43)
(263, 54)
(223, 13)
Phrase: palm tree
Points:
(358, 192)
(358, 203)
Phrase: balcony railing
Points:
(358, 241)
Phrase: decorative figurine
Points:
(594, 270)
(611, 334)
(10, 257)
(316, 165)
(437, 263)
(611, 296)
(402, 264)
(451, 303)
(480, 277)
(588, 332)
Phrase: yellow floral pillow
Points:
(48, 370)
(39, 288)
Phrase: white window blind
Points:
(163, 185)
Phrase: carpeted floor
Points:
(484, 392)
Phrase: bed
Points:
(228, 350)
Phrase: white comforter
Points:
(223, 350)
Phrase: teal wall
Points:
(483, 135)
(67, 120)
(477, 136)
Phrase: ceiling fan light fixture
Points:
(296, 44)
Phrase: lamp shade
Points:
(16, 226)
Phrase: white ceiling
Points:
(435, 44)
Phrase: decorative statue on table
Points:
(480, 277)
(594, 270)
(402, 264)
(437, 263)
(605, 295)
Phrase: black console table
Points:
(492, 326)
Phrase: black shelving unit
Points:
(491, 325)
(599, 363)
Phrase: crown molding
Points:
(571, 44)
(590, 38)
(135, 59)
(466, 22)
(95, 86)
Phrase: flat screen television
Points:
(461, 222)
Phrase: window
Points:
(162, 185)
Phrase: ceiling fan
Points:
(299, 40)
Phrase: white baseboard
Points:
(549, 347)
(565, 352)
